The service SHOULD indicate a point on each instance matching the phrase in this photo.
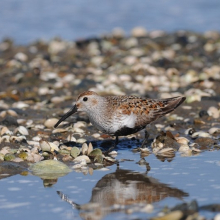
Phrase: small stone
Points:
(49, 123)
(74, 152)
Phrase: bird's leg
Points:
(145, 139)
(113, 145)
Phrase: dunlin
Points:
(122, 115)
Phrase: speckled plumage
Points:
(121, 115)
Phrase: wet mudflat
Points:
(69, 172)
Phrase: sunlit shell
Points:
(90, 148)
(200, 134)
(6, 131)
(84, 149)
(214, 130)
(17, 138)
(12, 113)
(81, 158)
(71, 138)
(45, 146)
(182, 140)
(59, 130)
(22, 130)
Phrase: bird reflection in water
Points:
(120, 190)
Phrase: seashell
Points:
(6, 131)
(59, 130)
(79, 159)
(200, 134)
(81, 140)
(54, 147)
(45, 146)
(182, 140)
(20, 104)
(113, 153)
(3, 114)
(184, 148)
(71, 138)
(99, 158)
(84, 149)
(95, 152)
(12, 113)
(49, 123)
(17, 138)
(78, 130)
(90, 148)
(37, 157)
(74, 152)
(214, 130)
(5, 150)
(96, 135)
(23, 130)
(79, 124)
(214, 112)
(5, 138)
(1, 156)
(57, 99)
(9, 157)
(110, 159)
(139, 32)
(196, 150)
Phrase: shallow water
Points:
(166, 184)
(26, 21)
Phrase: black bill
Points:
(70, 112)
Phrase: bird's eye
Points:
(85, 99)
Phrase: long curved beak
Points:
(70, 112)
